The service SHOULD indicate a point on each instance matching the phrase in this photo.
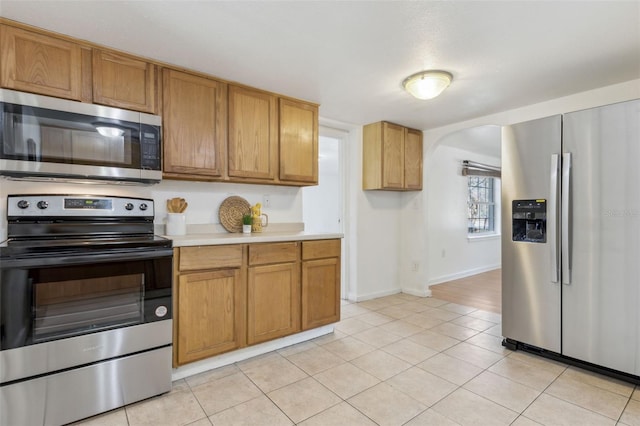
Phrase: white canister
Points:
(176, 224)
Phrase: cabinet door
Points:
(37, 63)
(123, 81)
(194, 122)
(210, 314)
(273, 302)
(392, 156)
(320, 292)
(413, 159)
(253, 134)
(298, 142)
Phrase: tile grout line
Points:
(411, 364)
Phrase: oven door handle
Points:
(65, 260)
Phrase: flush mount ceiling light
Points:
(427, 84)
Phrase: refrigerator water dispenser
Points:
(529, 220)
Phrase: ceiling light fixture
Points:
(427, 84)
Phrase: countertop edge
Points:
(267, 237)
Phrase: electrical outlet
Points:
(444, 252)
(415, 266)
(266, 200)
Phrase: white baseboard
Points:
(362, 298)
(420, 293)
(463, 274)
(248, 352)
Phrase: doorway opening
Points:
(465, 230)
(323, 205)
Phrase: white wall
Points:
(379, 238)
(451, 253)
(416, 236)
(204, 198)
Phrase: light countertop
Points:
(203, 235)
(219, 238)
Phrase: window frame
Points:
(489, 200)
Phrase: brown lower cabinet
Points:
(273, 302)
(273, 296)
(209, 301)
(230, 296)
(320, 283)
(210, 311)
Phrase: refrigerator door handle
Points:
(566, 218)
(552, 230)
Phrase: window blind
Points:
(471, 168)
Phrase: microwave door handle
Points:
(31, 150)
(566, 218)
(552, 230)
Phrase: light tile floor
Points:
(397, 360)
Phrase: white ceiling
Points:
(351, 56)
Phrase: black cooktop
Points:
(50, 224)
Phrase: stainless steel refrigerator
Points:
(571, 236)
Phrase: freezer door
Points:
(601, 301)
(530, 289)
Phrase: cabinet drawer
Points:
(210, 257)
(320, 249)
(262, 254)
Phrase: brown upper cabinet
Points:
(194, 117)
(392, 157)
(124, 81)
(213, 130)
(298, 142)
(413, 160)
(38, 63)
(253, 134)
(268, 139)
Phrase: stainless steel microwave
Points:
(45, 138)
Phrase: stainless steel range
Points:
(85, 307)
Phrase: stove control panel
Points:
(78, 205)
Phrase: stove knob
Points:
(23, 204)
(128, 206)
(42, 205)
(143, 206)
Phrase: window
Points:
(481, 205)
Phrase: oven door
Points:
(59, 311)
